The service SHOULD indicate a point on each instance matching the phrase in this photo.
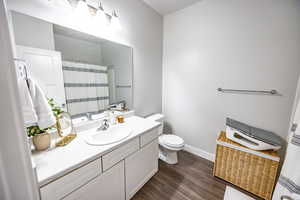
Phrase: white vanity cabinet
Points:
(70, 182)
(119, 154)
(140, 167)
(116, 175)
(108, 186)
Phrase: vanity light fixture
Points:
(84, 11)
(115, 21)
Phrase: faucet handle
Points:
(105, 123)
(104, 126)
(89, 115)
(112, 106)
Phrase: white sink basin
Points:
(112, 135)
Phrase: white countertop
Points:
(57, 162)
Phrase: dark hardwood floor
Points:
(190, 179)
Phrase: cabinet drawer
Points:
(108, 186)
(70, 182)
(119, 154)
(149, 136)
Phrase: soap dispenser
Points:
(112, 118)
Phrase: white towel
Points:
(45, 117)
(288, 186)
(30, 117)
(282, 193)
(233, 194)
(29, 114)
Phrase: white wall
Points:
(78, 50)
(141, 29)
(32, 32)
(17, 180)
(236, 44)
(119, 58)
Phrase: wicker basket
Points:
(253, 171)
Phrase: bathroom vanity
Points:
(109, 172)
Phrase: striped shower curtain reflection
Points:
(86, 88)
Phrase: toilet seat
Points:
(172, 141)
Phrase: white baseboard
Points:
(199, 152)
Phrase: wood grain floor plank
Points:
(190, 179)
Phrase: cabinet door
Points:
(108, 186)
(71, 181)
(45, 66)
(140, 167)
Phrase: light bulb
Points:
(115, 22)
(82, 10)
(101, 16)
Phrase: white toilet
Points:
(169, 145)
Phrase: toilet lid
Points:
(171, 140)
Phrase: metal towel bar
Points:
(123, 86)
(268, 92)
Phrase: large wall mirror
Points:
(83, 73)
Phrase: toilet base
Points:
(168, 156)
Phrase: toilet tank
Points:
(158, 118)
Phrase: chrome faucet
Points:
(89, 115)
(104, 126)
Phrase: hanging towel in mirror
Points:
(29, 114)
(45, 117)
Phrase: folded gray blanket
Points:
(256, 133)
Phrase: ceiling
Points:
(165, 7)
